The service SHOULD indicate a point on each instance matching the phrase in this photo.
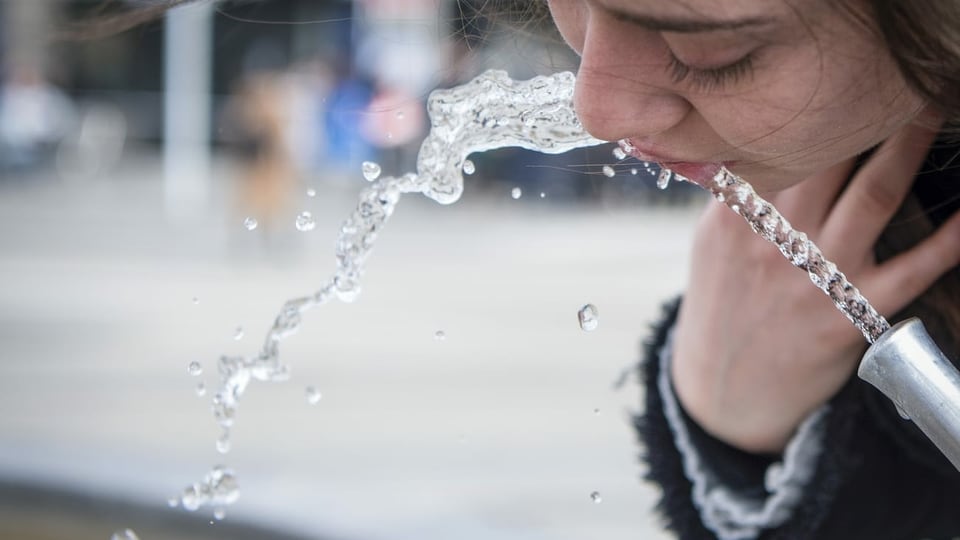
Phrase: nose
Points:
(623, 88)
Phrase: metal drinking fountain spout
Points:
(908, 367)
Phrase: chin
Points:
(764, 180)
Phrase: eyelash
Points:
(711, 78)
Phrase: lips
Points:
(699, 172)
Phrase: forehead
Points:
(707, 11)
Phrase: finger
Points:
(910, 273)
(877, 190)
(807, 204)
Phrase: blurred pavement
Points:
(500, 431)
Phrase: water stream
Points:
(492, 111)
(767, 222)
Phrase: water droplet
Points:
(125, 534)
(588, 317)
(608, 171)
(664, 179)
(223, 443)
(542, 194)
(469, 167)
(439, 335)
(633, 171)
(201, 389)
(619, 154)
(219, 513)
(311, 192)
(218, 487)
(305, 222)
(596, 412)
(313, 395)
(516, 193)
(195, 300)
(595, 497)
(194, 368)
(250, 223)
(173, 502)
(238, 333)
(400, 115)
(371, 170)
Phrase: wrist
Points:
(743, 422)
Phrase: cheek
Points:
(810, 114)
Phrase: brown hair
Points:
(98, 24)
(923, 36)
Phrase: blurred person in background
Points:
(261, 115)
(395, 123)
(344, 118)
(35, 116)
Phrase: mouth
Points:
(698, 172)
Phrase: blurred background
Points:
(151, 181)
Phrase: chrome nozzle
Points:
(908, 367)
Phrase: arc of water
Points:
(491, 111)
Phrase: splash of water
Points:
(125, 534)
(218, 488)
(588, 318)
(492, 111)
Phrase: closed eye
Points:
(710, 79)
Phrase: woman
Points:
(840, 114)
(754, 425)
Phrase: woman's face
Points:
(776, 90)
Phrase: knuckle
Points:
(881, 199)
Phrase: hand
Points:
(757, 346)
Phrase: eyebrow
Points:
(683, 25)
